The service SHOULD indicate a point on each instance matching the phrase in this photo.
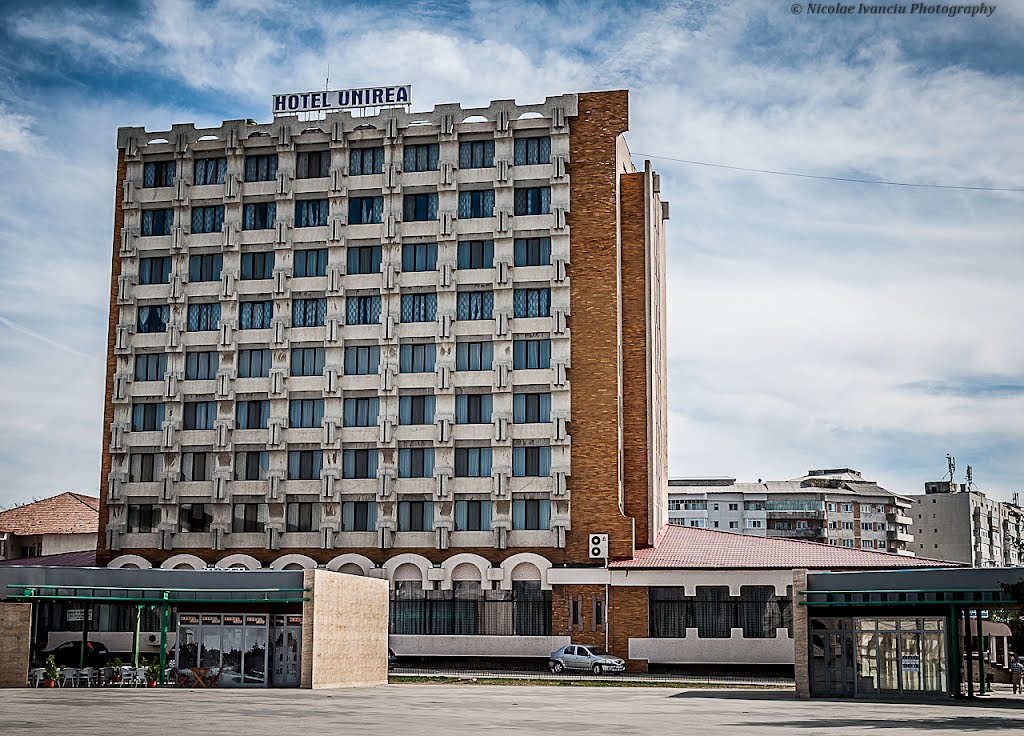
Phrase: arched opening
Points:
(351, 568)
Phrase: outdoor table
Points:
(200, 675)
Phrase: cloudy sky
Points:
(812, 323)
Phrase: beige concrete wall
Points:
(344, 630)
(55, 544)
(15, 635)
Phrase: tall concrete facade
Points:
(952, 522)
(833, 506)
(427, 347)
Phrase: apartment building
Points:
(425, 346)
(832, 506)
(956, 522)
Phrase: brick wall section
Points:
(103, 555)
(594, 375)
(636, 388)
(15, 637)
(588, 632)
(628, 615)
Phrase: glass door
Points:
(285, 651)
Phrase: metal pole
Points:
(981, 655)
(955, 661)
(969, 652)
(164, 615)
(85, 635)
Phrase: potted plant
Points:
(115, 665)
(50, 672)
(153, 672)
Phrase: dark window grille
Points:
(523, 611)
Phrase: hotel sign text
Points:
(341, 99)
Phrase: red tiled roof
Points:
(67, 513)
(679, 547)
(86, 558)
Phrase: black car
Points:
(69, 654)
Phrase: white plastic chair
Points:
(86, 674)
(127, 676)
(36, 676)
(68, 674)
(106, 676)
(140, 676)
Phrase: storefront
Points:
(242, 650)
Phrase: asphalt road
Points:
(454, 710)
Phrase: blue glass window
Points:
(529, 151)
(420, 157)
(154, 270)
(363, 259)
(531, 408)
(147, 417)
(157, 222)
(419, 307)
(259, 216)
(307, 362)
(476, 204)
(531, 354)
(200, 414)
(363, 161)
(310, 263)
(415, 516)
(417, 357)
(253, 363)
(476, 154)
(415, 462)
(309, 312)
(362, 310)
(361, 412)
(359, 463)
(419, 257)
(359, 516)
(532, 302)
(362, 360)
(474, 356)
(261, 168)
(472, 462)
(532, 251)
(203, 317)
(158, 174)
(365, 210)
(255, 315)
(208, 219)
(473, 409)
(258, 266)
(306, 413)
(153, 319)
(311, 212)
(475, 305)
(201, 365)
(476, 254)
(533, 201)
(473, 516)
(305, 464)
(531, 514)
(252, 414)
(531, 462)
(416, 409)
(419, 207)
(313, 164)
(210, 171)
(205, 268)
(150, 366)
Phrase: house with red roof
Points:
(61, 525)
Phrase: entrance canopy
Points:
(970, 587)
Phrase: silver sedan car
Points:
(579, 657)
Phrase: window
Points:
(846, 507)
(203, 317)
(415, 516)
(364, 259)
(144, 467)
(194, 518)
(476, 254)
(472, 462)
(305, 464)
(697, 523)
(200, 414)
(307, 362)
(416, 409)
(362, 310)
(847, 542)
(365, 210)
(363, 161)
(147, 417)
(253, 363)
(473, 516)
(143, 518)
(476, 204)
(255, 315)
(252, 413)
(831, 507)
(473, 409)
(362, 360)
(259, 216)
(476, 154)
(302, 516)
(261, 168)
(357, 463)
(205, 268)
(309, 312)
(361, 412)
(419, 307)
(252, 465)
(311, 212)
(210, 171)
(529, 151)
(249, 517)
(531, 513)
(153, 319)
(208, 219)
(157, 222)
(531, 354)
(417, 357)
(848, 525)
(420, 157)
(359, 516)
(150, 367)
(532, 201)
(310, 263)
(734, 525)
(474, 356)
(867, 544)
(257, 266)
(754, 523)
(201, 365)
(415, 462)
(530, 462)
(419, 207)
(866, 526)
(532, 251)
(158, 174)
(196, 466)
(419, 257)
(531, 408)
(313, 164)
(305, 413)
(734, 507)
(154, 270)
(475, 305)
(532, 302)
(865, 508)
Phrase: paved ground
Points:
(457, 710)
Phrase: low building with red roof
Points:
(60, 524)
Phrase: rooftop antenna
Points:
(970, 477)
(951, 462)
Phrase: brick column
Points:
(15, 639)
(801, 670)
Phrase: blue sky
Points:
(811, 323)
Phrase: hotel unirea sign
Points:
(341, 99)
